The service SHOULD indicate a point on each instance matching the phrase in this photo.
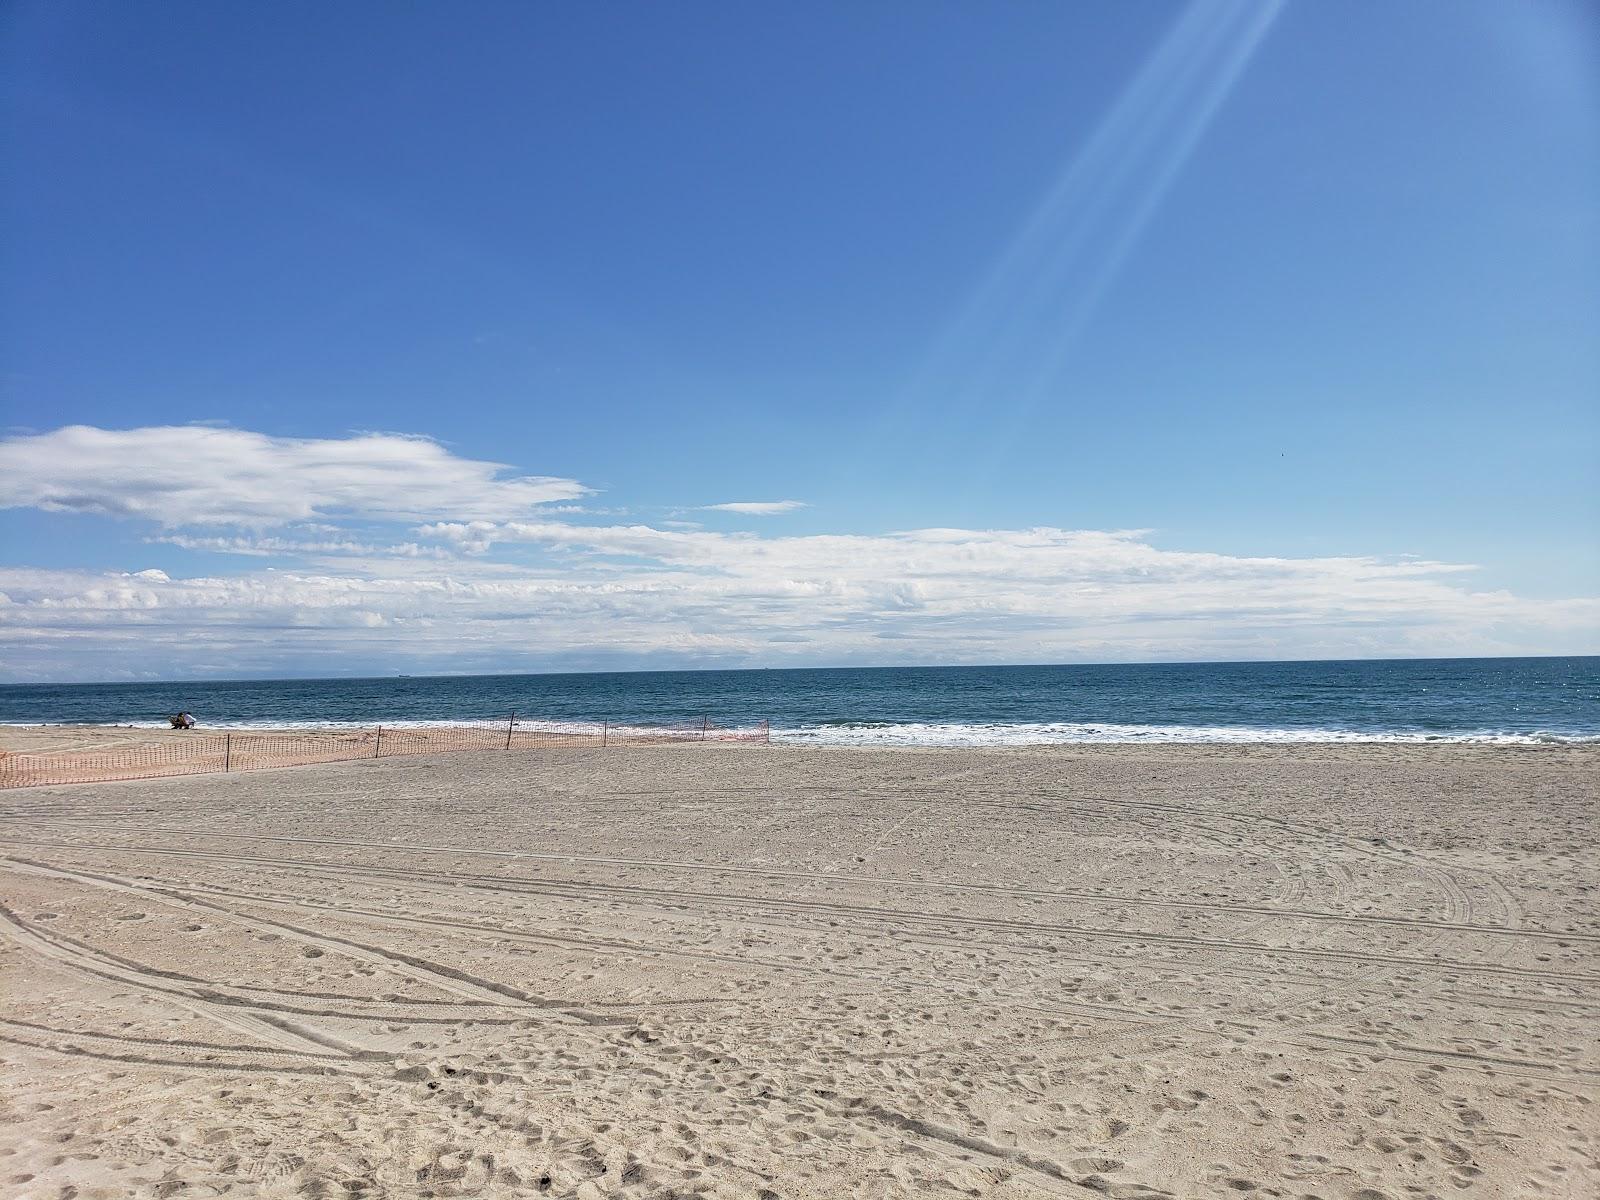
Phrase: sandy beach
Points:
(735, 971)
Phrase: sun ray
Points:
(1010, 342)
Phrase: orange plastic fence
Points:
(210, 753)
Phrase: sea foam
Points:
(880, 733)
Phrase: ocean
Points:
(1500, 700)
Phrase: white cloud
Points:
(756, 508)
(488, 577)
(277, 547)
(469, 537)
(636, 595)
(188, 475)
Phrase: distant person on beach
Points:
(183, 720)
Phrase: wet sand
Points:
(1344, 971)
(48, 739)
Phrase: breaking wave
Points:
(880, 733)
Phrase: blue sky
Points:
(1240, 300)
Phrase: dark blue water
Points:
(1516, 699)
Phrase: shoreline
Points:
(54, 737)
(66, 739)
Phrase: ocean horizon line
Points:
(154, 681)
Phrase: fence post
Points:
(704, 722)
(766, 730)
(378, 745)
(227, 754)
(605, 732)
(510, 725)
